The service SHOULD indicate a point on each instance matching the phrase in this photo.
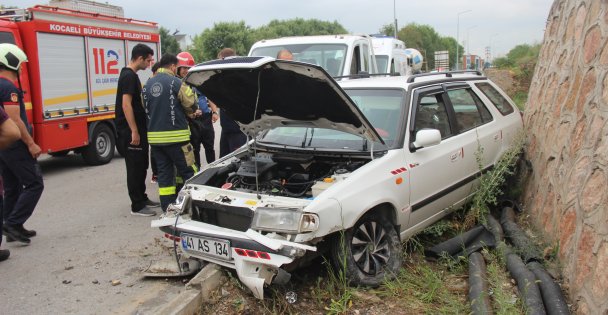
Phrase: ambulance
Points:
(70, 79)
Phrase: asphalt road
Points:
(86, 238)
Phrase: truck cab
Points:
(342, 56)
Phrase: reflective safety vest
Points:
(167, 123)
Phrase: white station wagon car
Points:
(349, 169)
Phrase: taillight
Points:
(251, 253)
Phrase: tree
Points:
(235, 35)
(298, 27)
(240, 37)
(425, 39)
(168, 43)
(387, 29)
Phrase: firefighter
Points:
(201, 125)
(23, 183)
(168, 103)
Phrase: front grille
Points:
(230, 217)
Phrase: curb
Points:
(198, 290)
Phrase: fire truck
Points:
(70, 79)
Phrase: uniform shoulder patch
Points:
(14, 97)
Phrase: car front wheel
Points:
(370, 252)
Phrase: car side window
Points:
(501, 103)
(470, 111)
(431, 114)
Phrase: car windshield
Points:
(382, 61)
(381, 107)
(329, 56)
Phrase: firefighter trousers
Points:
(170, 158)
(23, 183)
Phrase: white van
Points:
(340, 55)
(390, 55)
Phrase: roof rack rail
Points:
(366, 75)
(448, 74)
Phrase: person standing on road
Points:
(18, 166)
(168, 102)
(131, 126)
(231, 137)
(9, 133)
(201, 125)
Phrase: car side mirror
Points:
(426, 138)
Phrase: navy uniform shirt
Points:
(10, 95)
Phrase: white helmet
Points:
(11, 56)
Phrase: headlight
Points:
(182, 202)
(284, 220)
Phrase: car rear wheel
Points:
(370, 252)
(101, 148)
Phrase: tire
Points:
(59, 153)
(101, 148)
(369, 253)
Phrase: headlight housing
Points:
(182, 202)
(284, 220)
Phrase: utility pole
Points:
(458, 36)
(395, 16)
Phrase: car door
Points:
(476, 129)
(436, 171)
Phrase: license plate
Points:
(207, 246)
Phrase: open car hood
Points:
(287, 93)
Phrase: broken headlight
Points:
(182, 202)
(284, 220)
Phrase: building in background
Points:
(472, 62)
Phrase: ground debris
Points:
(66, 281)
(116, 282)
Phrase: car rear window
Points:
(501, 103)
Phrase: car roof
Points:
(318, 39)
(404, 82)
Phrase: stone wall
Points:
(565, 118)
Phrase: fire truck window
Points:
(6, 37)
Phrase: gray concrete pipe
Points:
(478, 285)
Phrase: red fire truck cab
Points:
(69, 81)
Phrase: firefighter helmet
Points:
(185, 59)
(11, 56)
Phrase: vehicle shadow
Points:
(51, 165)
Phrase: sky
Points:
(499, 24)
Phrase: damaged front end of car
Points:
(252, 236)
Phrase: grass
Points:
(520, 98)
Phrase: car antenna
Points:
(255, 151)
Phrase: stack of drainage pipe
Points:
(539, 291)
(540, 294)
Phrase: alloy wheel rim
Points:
(370, 247)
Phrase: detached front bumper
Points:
(256, 258)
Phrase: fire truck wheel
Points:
(101, 147)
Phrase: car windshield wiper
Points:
(304, 139)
